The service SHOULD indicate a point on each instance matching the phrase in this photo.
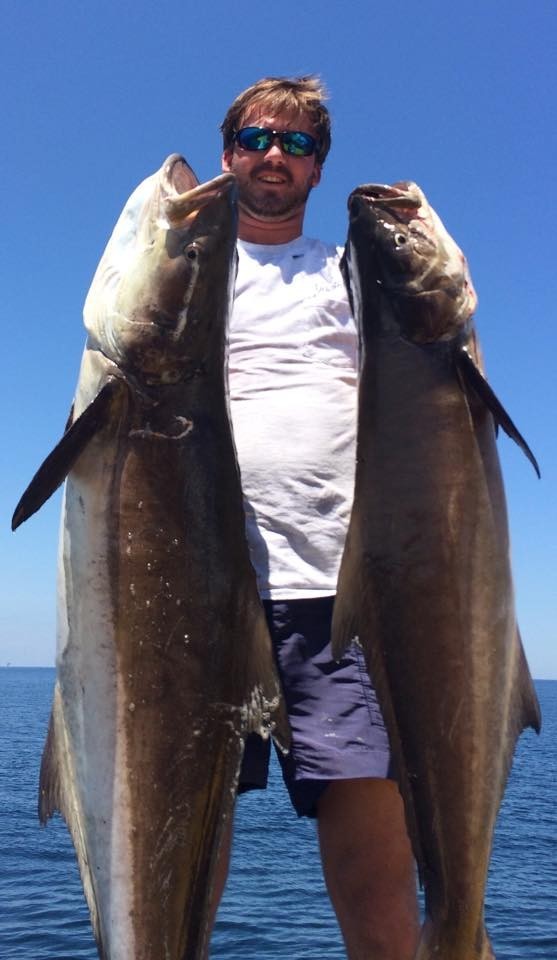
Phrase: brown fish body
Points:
(426, 584)
(154, 700)
(164, 661)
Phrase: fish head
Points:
(158, 303)
(400, 255)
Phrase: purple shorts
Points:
(337, 728)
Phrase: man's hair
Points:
(291, 95)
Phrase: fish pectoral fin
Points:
(345, 273)
(474, 379)
(266, 709)
(54, 470)
(69, 421)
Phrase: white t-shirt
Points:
(293, 377)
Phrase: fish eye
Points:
(191, 251)
(400, 239)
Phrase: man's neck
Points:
(253, 230)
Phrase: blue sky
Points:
(94, 96)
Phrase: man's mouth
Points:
(271, 177)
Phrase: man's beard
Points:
(269, 204)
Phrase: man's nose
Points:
(274, 149)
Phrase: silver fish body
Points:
(425, 580)
(164, 661)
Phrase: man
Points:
(293, 370)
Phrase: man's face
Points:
(272, 185)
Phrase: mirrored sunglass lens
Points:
(254, 138)
(298, 143)
(295, 142)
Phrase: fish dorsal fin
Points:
(266, 709)
(375, 662)
(56, 794)
(473, 378)
(54, 470)
(530, 713)
(345, 625)
(349, 626)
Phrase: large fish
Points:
(164, 661)
(425, 580)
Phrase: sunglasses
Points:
(294, 142)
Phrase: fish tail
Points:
(447, 943)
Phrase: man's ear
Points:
(227, 159)
(316, 175)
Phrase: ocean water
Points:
(275, 906)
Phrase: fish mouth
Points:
(403, 197)
(183, 195)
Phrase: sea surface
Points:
(275, 906)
